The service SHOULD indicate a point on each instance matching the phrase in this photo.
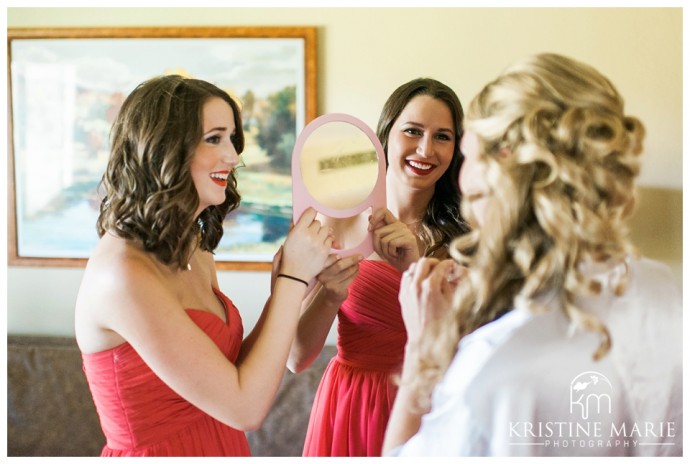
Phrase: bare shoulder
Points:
(119, 279)
(119, 265)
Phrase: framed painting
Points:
(67, 85)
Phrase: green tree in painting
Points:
(248, 109)
(276, 134)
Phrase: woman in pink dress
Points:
(162, 346)
(419, 128)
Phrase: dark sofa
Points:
(50, 411)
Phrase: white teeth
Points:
(218, 175)
(417, 165)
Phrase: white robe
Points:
(525, 385)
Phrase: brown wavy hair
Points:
(443, 219)
(148, 194)
(557, 202)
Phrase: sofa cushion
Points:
(49, 407)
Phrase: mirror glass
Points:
(338, 168)
(339, 165)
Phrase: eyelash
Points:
(215, 139)
(444, 137)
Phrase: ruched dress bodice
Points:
(356, 394)
(141, 416)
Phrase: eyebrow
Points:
(219, 128)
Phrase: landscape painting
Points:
(67, 87)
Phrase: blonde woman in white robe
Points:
(558, 339)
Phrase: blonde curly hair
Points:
(557, 200)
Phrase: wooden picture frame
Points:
(65, 86)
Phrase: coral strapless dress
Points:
(141, 416)
(356, 394)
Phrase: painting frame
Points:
(302, 37)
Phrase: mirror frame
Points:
(302, 199)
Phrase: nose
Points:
(425, 147)
(230, 155)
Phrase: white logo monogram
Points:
(590, 393)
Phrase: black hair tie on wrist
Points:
(297, 279)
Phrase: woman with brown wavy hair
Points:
(162, 346)
(420, 128)
(559, 339)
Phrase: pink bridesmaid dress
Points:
(355, 396)
(141, 416)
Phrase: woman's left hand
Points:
(393, 240)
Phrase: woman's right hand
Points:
(426, 293)
(337, 276)
(393, 240)
(306, 247)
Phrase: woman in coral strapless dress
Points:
(162, 347)
(419, 128)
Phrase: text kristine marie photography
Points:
(594, 423)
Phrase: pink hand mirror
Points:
(339, 169)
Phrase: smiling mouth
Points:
(220, 178)
(419, 167)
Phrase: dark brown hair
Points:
(443, 220)
(148, 192)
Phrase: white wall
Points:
(364, 53)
